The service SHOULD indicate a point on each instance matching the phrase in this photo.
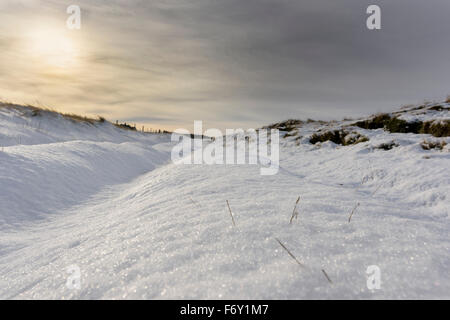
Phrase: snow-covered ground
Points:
(110, 202)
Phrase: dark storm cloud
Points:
(252, 62)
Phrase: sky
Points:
(229, 63)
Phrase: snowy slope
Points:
(49, 163)
(139, 226)
(21, 126)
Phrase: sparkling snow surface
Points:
(111, 202)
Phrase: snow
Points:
(426, 112)
(138, 226)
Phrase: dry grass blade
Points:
(353, 211)
(231, 214)
(194, 202)
(376, 189)
(290, 253)
(295, 212)
(326, 276)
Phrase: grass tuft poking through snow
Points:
(290, 253)
(429, 145)
(231, 214)
(326, 276)
(295, 212)
(353, 211)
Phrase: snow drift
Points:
(110, 202)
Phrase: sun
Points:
(53, 47)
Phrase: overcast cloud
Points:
(231, 63)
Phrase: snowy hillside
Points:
(111, 202)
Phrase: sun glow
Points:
(53, 47)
